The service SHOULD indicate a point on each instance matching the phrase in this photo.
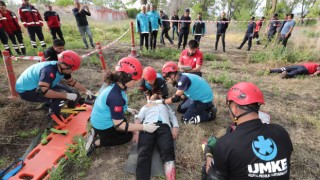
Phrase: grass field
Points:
(292, 103)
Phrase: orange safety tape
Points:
(43, 157)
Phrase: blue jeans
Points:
(83, 31)
(175, 29)
(34, 96)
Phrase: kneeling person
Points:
(198, 107)
(163, 116)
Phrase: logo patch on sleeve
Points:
(117, 109)
(179, 83)
(52, 75)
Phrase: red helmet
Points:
(245, 93)
(149, 73)
(131, 66)
(169, 67)
(70, 58)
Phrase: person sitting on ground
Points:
(163, 137)
(51, 53)
(191, 59)
(310, 68)
(40, 82)
(153, 83)
(107, 117)
(249, 34)
(199, 28)
(198, 107)
(253, 150)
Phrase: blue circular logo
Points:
(264, 149)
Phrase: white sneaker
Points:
(90, 137)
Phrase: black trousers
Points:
(144, 37)
(17, 35)
(33, 31)
(174, 30)
(153, 39)
(112, 137)
(55, 31)
(247, 37)
(197, 38)
(222, 35)
(291, 70)
(4, 40)
(165, 33)
(34, 96)
(256, 35)
(284, 39)
(184, 35)
(162, 137)
(194, 112)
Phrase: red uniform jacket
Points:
(30, 16)
(52, 18)
(10, 23)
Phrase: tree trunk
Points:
(144, 2)
(274, 6)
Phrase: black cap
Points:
(187, 10)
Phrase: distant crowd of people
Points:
(32, 20)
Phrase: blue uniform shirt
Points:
(143, 23)
(110, 104)
(40, 72)
(195, 87)
(251, 27)
(155, 20)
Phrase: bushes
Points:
(286, 55)
(132, 13)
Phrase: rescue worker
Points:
(11, 26)
(191, 59)
(310, 68)
(257, 29)
(107, 117)
(249, 34)
(174, 24)
(40, 82)
(53, 21)
(222, 26)
(199, 28)
(143, 27)
(163, 138)
(153, 83)
(253, 150)
(184, 28)
(51, 54)
(32, 20)
(155, 24)
(198, 106)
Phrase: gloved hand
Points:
(132, 111)
(159, 101)
(72, 96)
(89, 93)
(150, 128)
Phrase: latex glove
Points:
(159, 101)
(132, 111)
(72, 96)
(150, 128)
(89, 93)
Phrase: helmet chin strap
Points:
(236, 118)
(63, 69)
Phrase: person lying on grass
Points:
(310, 68)
(163, 116)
